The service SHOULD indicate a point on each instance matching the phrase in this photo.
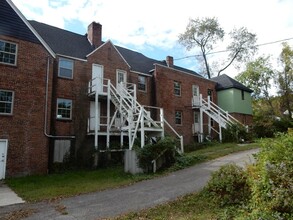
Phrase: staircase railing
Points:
(218, 114)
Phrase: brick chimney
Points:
(94, 34)
(169, 61)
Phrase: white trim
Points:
(70, 57)
(16, 52)
(200, 77)
(124, 76)
(108, 41)
(6, 114)
(72, 70)
(57, 108)
(5, 158)
(140, 73)
(31, 28)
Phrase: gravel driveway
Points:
(144, 194)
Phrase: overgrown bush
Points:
(236, 133)
(272, 179)
(183, 161)
(165, 147)
(228, 186)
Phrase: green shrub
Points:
(165, 146)
(236, 133)
(228, 186)
(183, 161)
(272, 178)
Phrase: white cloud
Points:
(153, 23)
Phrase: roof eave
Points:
(31, 28)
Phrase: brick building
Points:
(61, 92)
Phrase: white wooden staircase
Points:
(222, 117)
(134, 118)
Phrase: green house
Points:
(234, 98)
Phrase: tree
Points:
(205, 33)
(257, 76)
(285, 78)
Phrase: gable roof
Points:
(63, 42)
(74, 45)
(226, 82)
(14, 24)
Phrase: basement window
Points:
(65, 68)
(64, 109)
(8, 52)
(6, 102)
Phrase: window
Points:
(120, 76)
(177, 88)
(178, 117)
(195, 90)
(65, 68)
(6, 102)
(141, 83)
(8, 52)
(64, 108)
(210, 94)
(242, 95)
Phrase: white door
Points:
(195, 95)
(93, 116)
(97, 78)
(3, 155)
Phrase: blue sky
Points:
(152, 27)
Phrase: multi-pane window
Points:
(65, 68)
(141, 83)
(178, 117)
(120, 77)
(64, 108)
(8, 52)
(6, 102)
(177, 88)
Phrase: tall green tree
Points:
(206, 33)
(258, 76)
(285, 79)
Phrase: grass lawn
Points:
(46, 187)
(193, 206)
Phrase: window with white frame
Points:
(65, 68)
(142, 82)
(178, 117)
(177, 88)
(6, 102)
(120, 76)
(8, 52)
(64, 109)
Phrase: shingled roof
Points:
(226, 82)
(63, 42)
(12, 25)
(75, 45)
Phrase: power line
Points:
(224, 51)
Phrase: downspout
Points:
(46, 105)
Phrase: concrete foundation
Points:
(131, 162)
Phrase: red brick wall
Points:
(165, 98)
(74, 89)
(243, 118)
(27, 144)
